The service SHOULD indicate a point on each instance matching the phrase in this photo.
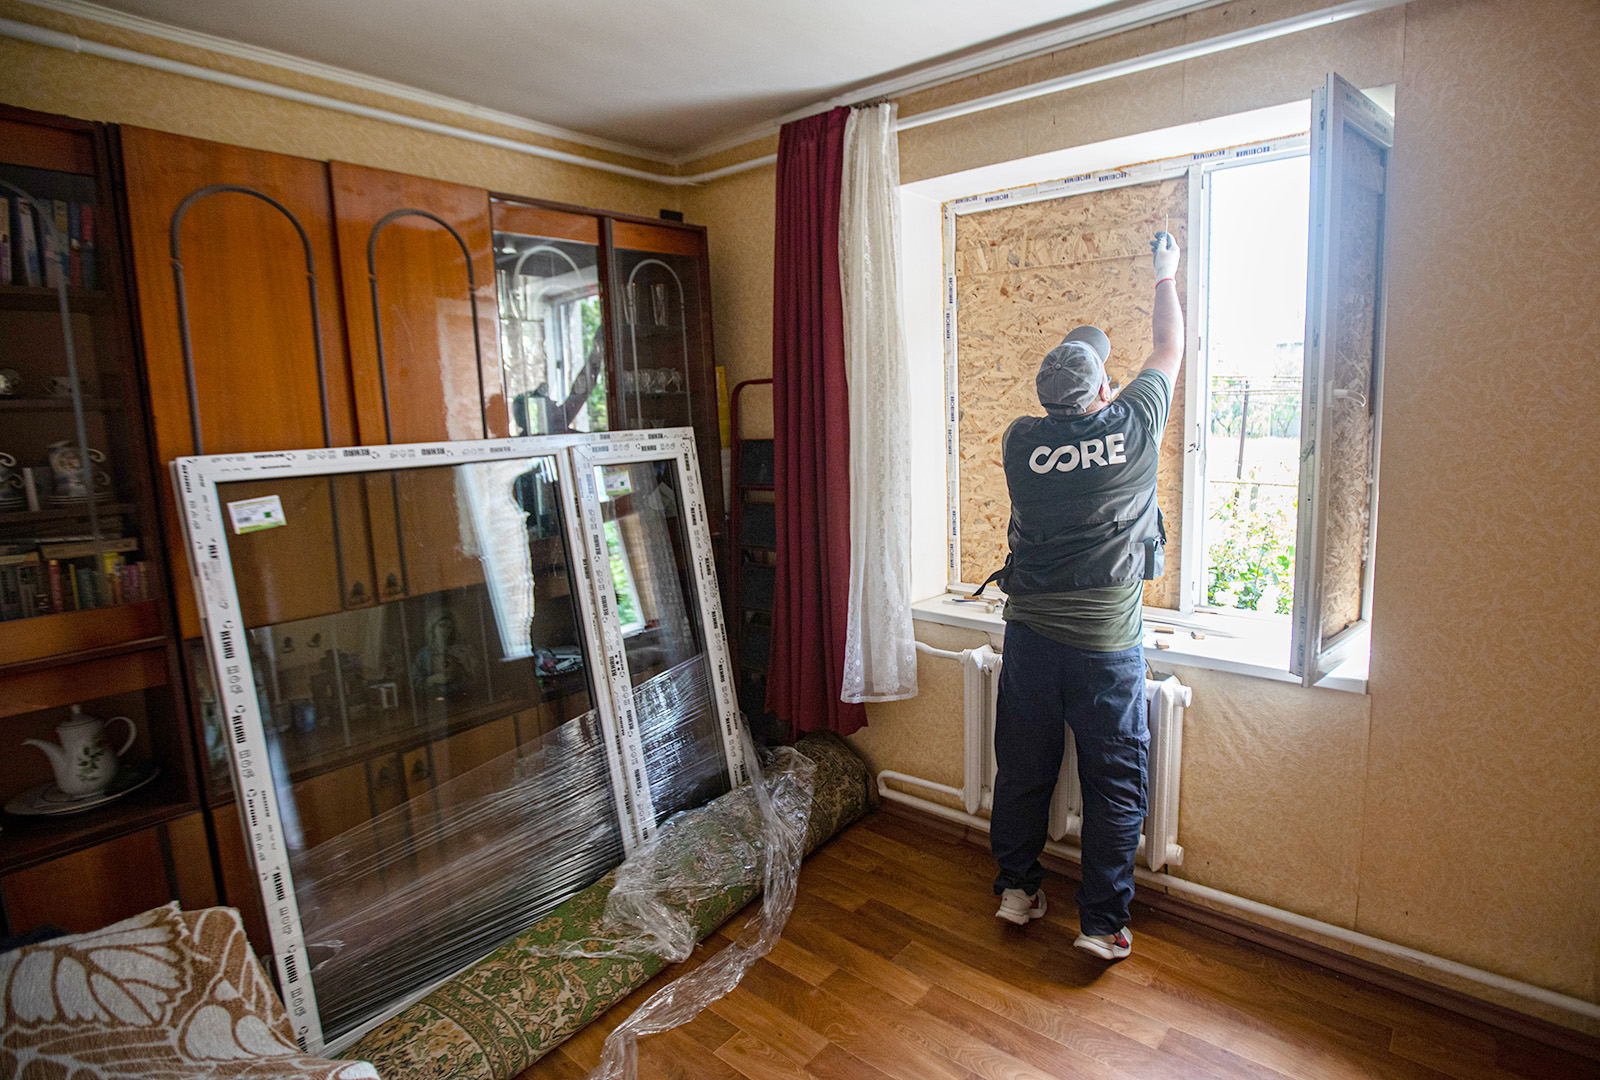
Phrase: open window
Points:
(1268, 469)
(1350, 142)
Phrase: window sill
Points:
(1226, 643)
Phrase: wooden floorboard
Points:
(893, 967)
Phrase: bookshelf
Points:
(85, 611)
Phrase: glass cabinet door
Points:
(552, 343)
(69, 481)
(659, 336)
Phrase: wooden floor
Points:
(894, 966)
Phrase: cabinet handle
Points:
(358, 593)
(386, 777)
(419, 770)
(391, 586)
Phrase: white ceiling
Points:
(668, 76)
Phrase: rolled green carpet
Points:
(518, 1003)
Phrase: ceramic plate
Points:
(50, 800)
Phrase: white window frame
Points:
(196, 483)
(593, 452)
(1197, 407)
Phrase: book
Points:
(32, 270)
(86, 254)
(75, 245)
(53, 242)
(31, 587)
(112, 577)
(58, 589)
(5, 241)
(18, 581)
(89, 548)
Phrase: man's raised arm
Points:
(1167, 319)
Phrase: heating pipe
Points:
(1217, 896)
(1295, 24)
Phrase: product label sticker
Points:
(253, 515)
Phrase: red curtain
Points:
(811, 423)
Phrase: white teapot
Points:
(83, 763)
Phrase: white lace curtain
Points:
(880, 658)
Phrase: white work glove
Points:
(1166, 253)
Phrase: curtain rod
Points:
(38, 35)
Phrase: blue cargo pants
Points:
(1047, 687)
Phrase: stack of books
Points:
(30, 252)
(77, 575)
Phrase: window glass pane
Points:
(440, 770)
(551, 341)
(641, 504)
(1254, 353)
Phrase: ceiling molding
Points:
(1027, 46)
(272, 58)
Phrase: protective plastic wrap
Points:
(652, 572)
(694, 856)
(456, 724)
(394, 905)
(682, 746)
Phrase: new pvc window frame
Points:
(590, 454)
(196, 482)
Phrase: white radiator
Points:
(1166, 700)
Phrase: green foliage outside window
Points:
(1252, 537)
(621, 580)
(589, 313)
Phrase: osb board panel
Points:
(1348, 455)
(1025, 275)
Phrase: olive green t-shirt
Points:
(1107, 619)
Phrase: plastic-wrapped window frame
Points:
(589, 456)
(196, 481)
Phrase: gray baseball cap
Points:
(1071, 374)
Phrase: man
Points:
(1085, 536)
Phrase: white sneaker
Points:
(1110, 947)
(1018, 907)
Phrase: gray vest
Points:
(1083, 502)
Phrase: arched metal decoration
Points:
(377, 321)
(176, 235)
(175, 232)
